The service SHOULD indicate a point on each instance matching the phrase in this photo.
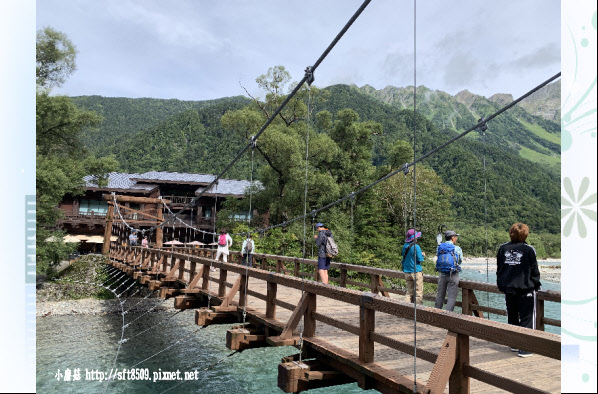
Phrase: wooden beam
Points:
(141, 200)
(459, 381)
(134, 210)
(108, 231)
(287, 332)
(444, 364)
(367, 324)
(499, 381)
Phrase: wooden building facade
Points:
(86, 214)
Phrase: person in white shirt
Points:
(247, 251)
(224, 242)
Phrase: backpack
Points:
(331, 247)
(248, 247)
(222, 240)
(447, 260)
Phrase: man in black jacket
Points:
(518, 276)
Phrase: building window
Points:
(240, 216)
(86, 207)
(207, 211)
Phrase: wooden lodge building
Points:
(85, 215)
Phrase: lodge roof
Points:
(118, 181)
(149, 181)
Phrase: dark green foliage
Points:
(354, 139)
(126, 117)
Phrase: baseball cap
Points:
(319, 225)
(449, 234)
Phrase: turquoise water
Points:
(91, 342)
(551, 309)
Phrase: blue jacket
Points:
(408, 260)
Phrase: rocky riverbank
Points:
(91, 306)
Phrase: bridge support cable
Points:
(185, 338)
(483, 129)
(204, 370)
(415, 198)
(421, 158)
(277, 111)
(309, 76)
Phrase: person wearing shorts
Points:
(323, 261)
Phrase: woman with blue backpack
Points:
(449, 257)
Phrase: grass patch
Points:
(552, 162)
(540, 132)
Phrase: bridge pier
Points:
(294, 377)
(245, 337)
(206, 317)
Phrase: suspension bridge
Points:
(349, 330)
(361, 334)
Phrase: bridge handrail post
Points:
(222, 282)
(205, 278)
(367, 324)
(243, 291)
(264, 263)
(465, 301)
(374, 281)
(459, 381)
(343, 281)
(271, 300)
(309, 319)
(540, 315)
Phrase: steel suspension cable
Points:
(406, 166)
(278, 110)
(414, 198)
(486, 224)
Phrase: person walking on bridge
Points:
(518, 276)
(412, 259)
(449, 257)
(323, 259)
(224, 242)
(247, 250)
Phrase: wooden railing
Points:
(469, 304)
(189, 267)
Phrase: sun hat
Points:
(412, 234)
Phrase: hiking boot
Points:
(523, 353)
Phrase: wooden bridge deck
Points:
(541, 372)
(358, 335)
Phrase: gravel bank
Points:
(90, 306)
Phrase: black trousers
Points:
(521, 309)
(247, 260)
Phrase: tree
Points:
(61, 159)
(55, 58)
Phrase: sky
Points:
(199, 50)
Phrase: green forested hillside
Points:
(518, 189)
(510, 130)
(124, 117)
